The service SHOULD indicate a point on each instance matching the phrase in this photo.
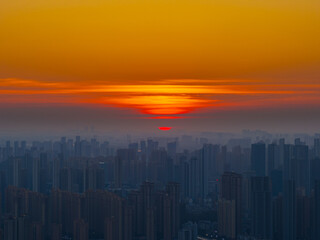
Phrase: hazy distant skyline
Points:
(192, 65)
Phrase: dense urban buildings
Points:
(181, 188)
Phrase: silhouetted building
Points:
(56, 231)
(258, 159)
(230, 205)
(277, 216)
(261, 207)
(315, 223)
(189, 231)
(289, 210)
(80, 230)
(118, 172)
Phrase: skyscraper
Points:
(261, 207)
(316, 207)
(80, 230)
(109, 230)
(277, 216)
(118, 172)
(317, 147)
(272, 155)
(10, 229)
(289, 209)
(302, 163)
(173, 194)
(172, 148)
(230, 205)
(188, 232)
(148, 199)
(258, 159)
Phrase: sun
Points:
(165, 128)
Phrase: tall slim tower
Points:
(261, 207)
(35, 174)
(258, 159)
(118, 172)
(289, 193)
(230, 205)
(80, 230)
(316, 202)
(317, 147)
(173, 191)
(16, 171)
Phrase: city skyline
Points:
(159, 120)
(184, 188)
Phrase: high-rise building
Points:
(128, 158)
(23, 228)
(277, 216)
(16, 171)
(77, 147)
(315, 169)
(277, 182)
(230, 205)
(185, 179)
(173, 198)
(150, 224)
(127, 222)
(289, 192)
(94, 178)
(198, 169)
(261, 207)
(118, 172)
(227, 218)
(202, 173)
(303, 216)
(317, 147)
(289, 209)
(172, 148)
(160, 167)
(10, 229)
(80, 230)
(207, 162)
(188, 232)
(109, 230)
(16, 149)
(302, 165)
(56, 172)
(258, 159)
(148, 197)
(56, 231)
(316, 211)
(272, 157)
(36, 231)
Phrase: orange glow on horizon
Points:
(161, 101)
(167, 117)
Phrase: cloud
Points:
(162, 97)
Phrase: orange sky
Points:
(163, 98)
(161, 58)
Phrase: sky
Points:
(203, 65)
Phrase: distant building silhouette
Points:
(258, 159)
(230, 205)
(261, 207)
